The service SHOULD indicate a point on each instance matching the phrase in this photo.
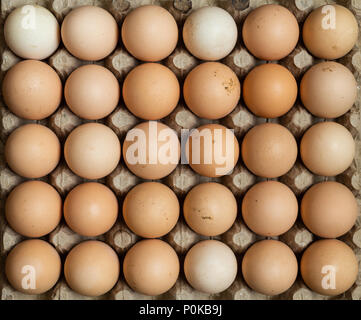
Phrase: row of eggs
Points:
(152, 267)
(150, 33)
(151, 91)
(151, 209)
(151, 150)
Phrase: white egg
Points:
(32, 32)
(210, 33)
(210, 266)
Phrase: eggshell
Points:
(32, 151)
(151, 267)
(270, 32)
(151, 91)
(91, 268)
(32, 90)
(210, 33)
(210, 209)
(151, 150)
(92, 150)
(327, 149)
(269, 208)
(270, 90)
(32, 32)
(212, 150)
(33, 267)
(329, 209)
(330, 32)
(269, 150)
(269, 267)
(90, 209)
(210, 266)
(89, 33)
(329, 267)
(151, 209)
(150, 33)
(328, 90)
(92, 92)
(33, 209)
(211, 90)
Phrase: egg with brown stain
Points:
(211, 90)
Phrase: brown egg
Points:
(270, 32)
(33, 209)
(32, 151)
(210, 266)
(92, 150)
(32, 90)
(269, 267)
(329, 209)
(151, 209)
(150, 33)
(211, 90)
(330, 32)
(151, 91)
(90, 209)
(328, 90)
(151, 150)
(269, 150)
(269, 208)
(327, 149)
(92, 92)
(329, 267)
(92, 268)
(270, 90)
(210, 209)
(212, 150)
(89, 33)
(151, 267)
(33, 267)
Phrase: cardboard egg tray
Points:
(181, 238)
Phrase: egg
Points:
(92, 150)
(330, 32)
(151, 267)
(328, 90)
(151, 150)
(33, 209)
(91, 268)
(32, 151)
(212, 150)
(150, 33)
(210, 33)
(327, 149)
(211, 90)
(270, 90)
(270, 32)
(269, 267)
(151, 91)
(210, 209)
(32, 90)
(269, 150)
(210, 266)
(92, 92)
(329, 267)
(32, 32)
(151, 209)
(329, 209)
(269, 208)
(90, 209)
(33, 267)
(89, 33)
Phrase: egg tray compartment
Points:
(181, 238)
